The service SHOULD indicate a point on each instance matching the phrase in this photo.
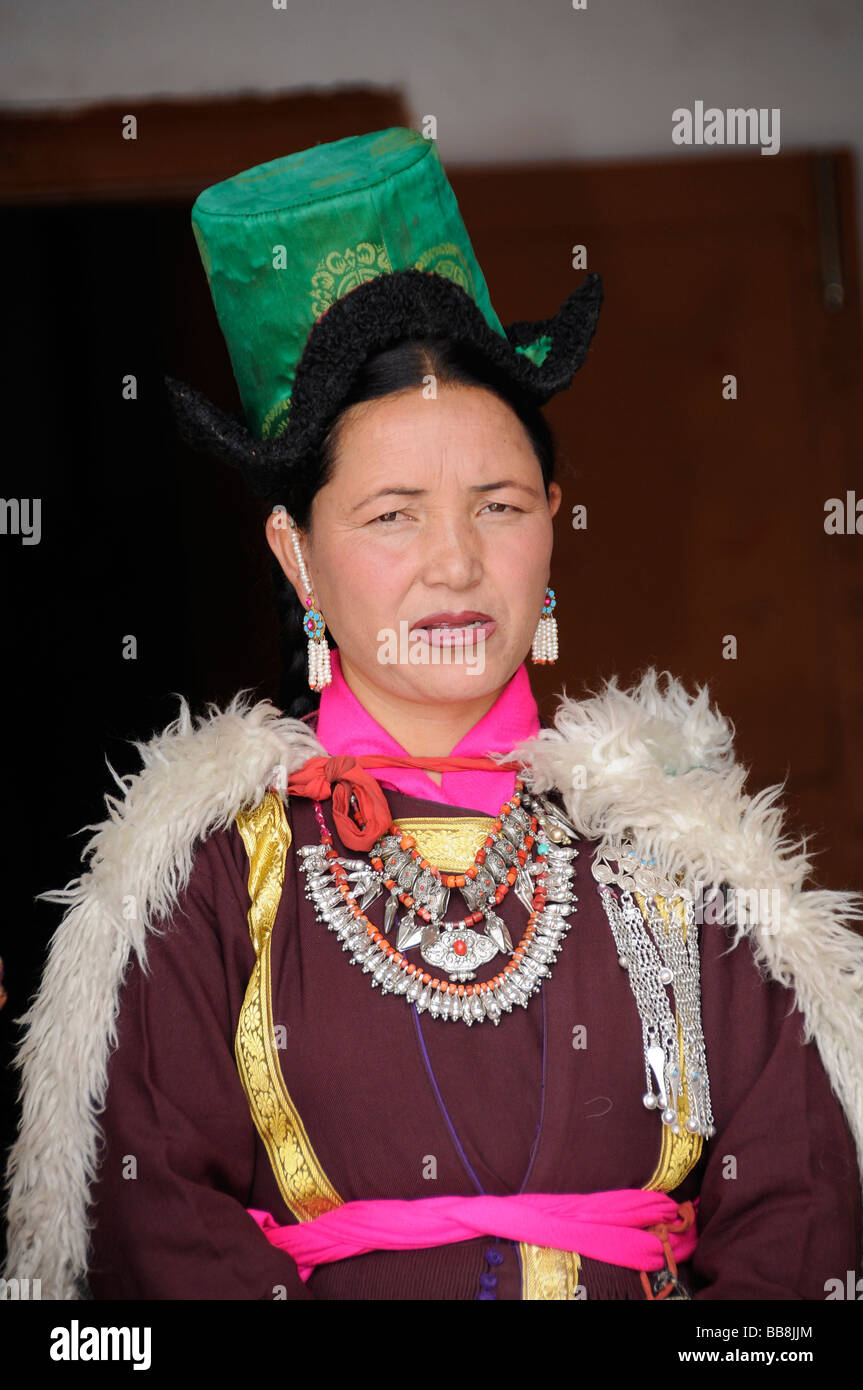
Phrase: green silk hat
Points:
(321, 258)
(282, 242)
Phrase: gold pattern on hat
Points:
(451, 844)
(447, 259)
(339, 272)
(276, 418)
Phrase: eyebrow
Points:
(421, 492)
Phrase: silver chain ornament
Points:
(660, 956)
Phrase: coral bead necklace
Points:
(341, 888)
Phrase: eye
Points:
(387, 517)
(502, 507)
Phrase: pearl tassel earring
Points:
(544, 650)
(320, 671)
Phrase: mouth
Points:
(440, 629)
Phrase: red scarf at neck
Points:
(360, 809)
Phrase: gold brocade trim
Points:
(679, 1153)
(548, 1274)
(449, 844)
(302, 1181)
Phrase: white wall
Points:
(505, 80)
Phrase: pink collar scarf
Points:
(345, 727)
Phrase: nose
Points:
(452, 555)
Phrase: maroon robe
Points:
(354, 1066)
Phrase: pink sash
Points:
(628, 1227)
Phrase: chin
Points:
(457, 681)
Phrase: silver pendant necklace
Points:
(341, 888)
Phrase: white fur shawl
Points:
(652, 761)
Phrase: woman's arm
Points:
(779, 1214)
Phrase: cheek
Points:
(520, 566)
(366, 583)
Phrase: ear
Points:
(555, 497)
(279, 539)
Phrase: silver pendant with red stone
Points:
(459, 952)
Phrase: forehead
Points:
(461, 432)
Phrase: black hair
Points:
(401, 367)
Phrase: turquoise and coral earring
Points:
(544, 650)
(320, 671)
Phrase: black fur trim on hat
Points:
(373, 316)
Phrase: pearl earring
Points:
(320, 672)
(544, 650)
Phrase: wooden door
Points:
(706, 515)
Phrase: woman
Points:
(428, 1010)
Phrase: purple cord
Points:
(461, 1153)
(535, 1144)
(488, 1280)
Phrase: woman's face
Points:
(429, 548)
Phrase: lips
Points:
(449, 629)
(467, 618)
